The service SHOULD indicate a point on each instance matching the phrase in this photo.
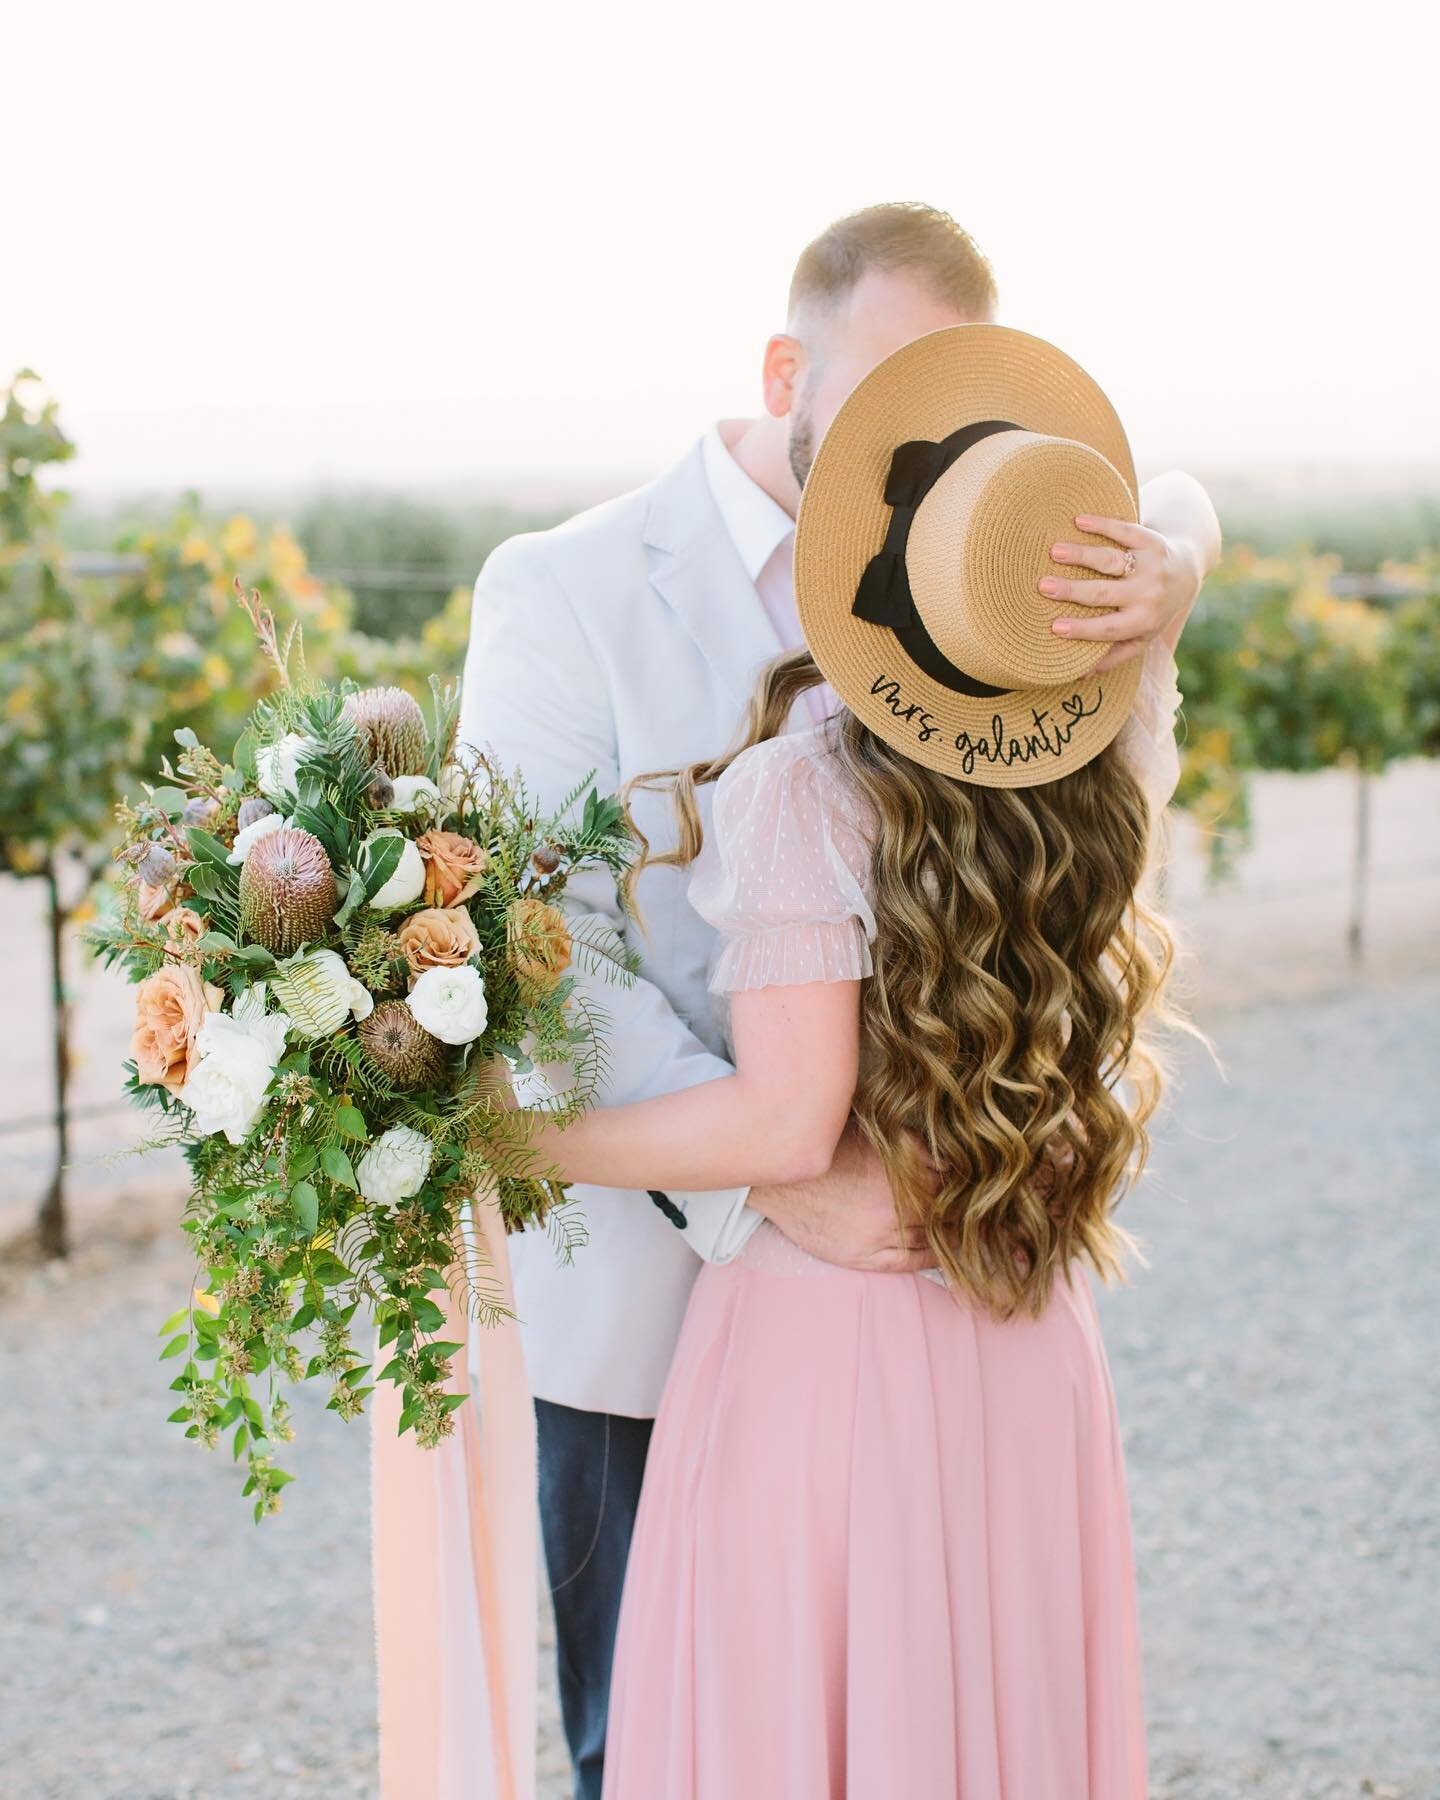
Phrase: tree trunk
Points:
(1355, 936)
(50, 1223)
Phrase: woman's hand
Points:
(1159, 590)
(1151, 572)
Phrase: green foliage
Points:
(429, 544)
(69, 728)
(1362, 533)
(1278, 673)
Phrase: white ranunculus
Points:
(395, 1166)
(450, 1003)
(237, 1054)
(245, 840)
(277, 765)
(414, 793)
(408, 881)
(320, 994)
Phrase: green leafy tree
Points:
(69, 728)
(1280, 673)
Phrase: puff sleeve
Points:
(784, 871)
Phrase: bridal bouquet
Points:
(346, 942)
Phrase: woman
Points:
(883, 1548)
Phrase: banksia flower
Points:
(400, 1047)
(393, 727)
(287, 891)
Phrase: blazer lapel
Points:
(696, 569)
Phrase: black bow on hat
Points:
(883, 596)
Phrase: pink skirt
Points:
(883, 1552)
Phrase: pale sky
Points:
(304, 252)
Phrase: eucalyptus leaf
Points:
(306, 1202)
(352, 1122)
(336, 1165)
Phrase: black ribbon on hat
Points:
(883, 596)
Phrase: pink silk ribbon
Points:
(455, 1557)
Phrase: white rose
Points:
(246, 840)
(414, 792)
(395, 1166)
(408, 881)
(277, 765)
(319, 993)
(450, 1003)
(237, 1056)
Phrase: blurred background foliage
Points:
(1316, 643)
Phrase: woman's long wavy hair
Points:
(1015, 961)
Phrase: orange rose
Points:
(454, 867)
(170, 1007)
(441, 937)
(155, 901)
(539, 943)
(183, 929)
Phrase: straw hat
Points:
(926, 522)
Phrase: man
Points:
(628, 641)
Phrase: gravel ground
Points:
(1274, 1366)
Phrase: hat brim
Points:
(928, 389)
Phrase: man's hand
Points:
(847, 1217)
(1152, 571)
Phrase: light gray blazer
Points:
(625, 641)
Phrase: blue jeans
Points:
(591, 1466)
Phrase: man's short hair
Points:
(900, 234)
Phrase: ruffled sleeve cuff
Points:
(791, 955)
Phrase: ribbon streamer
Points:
(455, 1561)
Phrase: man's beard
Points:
(802, 445)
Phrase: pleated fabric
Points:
(883, 1552)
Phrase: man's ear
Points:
(784, 365)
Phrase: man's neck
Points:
(762, 450)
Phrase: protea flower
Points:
(400, 1047)
(287, 891)
(393, 726)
